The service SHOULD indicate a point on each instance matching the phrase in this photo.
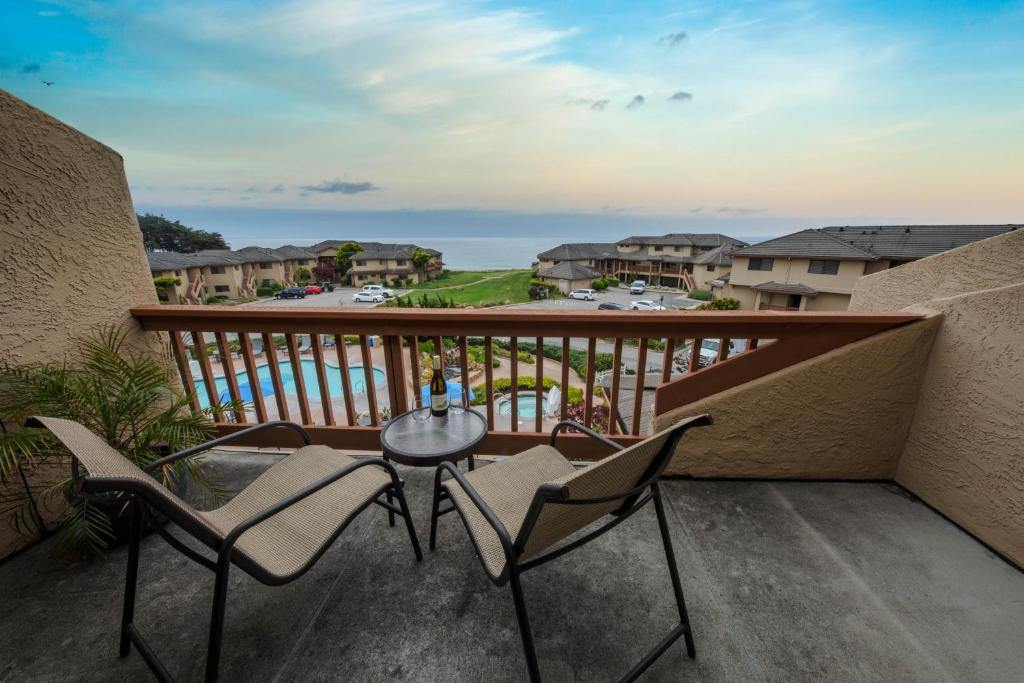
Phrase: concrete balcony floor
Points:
(785, 581)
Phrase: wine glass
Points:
(420, 409)
(457, 402)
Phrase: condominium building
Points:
(816, 269)
(380, 262)
(671, 259)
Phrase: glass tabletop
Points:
(433, 439)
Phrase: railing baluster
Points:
(298, 379)
(371, 387)
(666, 369)
(538, 410)
(395, 373)
(228, 365)
(638, 398)
(489, 379)
(752, 345)
(274, 366)
(464, 368)
(695, 354)
(185, 371)
(514, 358)
(251, 372)
(321, 379)
(563, 410)
(588, 396)
(723, 349)
(414, 367)
(204, 366)
(346, 379)
(613, 408)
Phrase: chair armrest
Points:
(173, 457)
(232, 537)
(485, 510)
(566, 424)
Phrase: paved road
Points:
(340, 297)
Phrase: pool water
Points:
(527, 405)
(357, 379)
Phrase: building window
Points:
(382, 262)
(177, 273)
(360, 263)
(216, 270)
(267, 282)
(401, 261)
(221, 288)
(266, 266)
(302, 262)
(657, 248)
(711, 267)
(761, 264)
(823, 267)
(677, 248)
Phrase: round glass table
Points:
(427, 443)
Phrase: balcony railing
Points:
(774, 341)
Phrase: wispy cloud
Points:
(636, 102)
(680, 97)
(30, 69)
(737, 211)
(599, 105)
(341, 187)
(673, 39)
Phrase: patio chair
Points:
(327, 340)
(305, 344)
(275, 529)
(257, 346)
(517, 509)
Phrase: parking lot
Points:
(340, 297)
(673, 300)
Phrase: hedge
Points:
(573, 394)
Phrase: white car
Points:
(584, 294)
(368, 297)
(637, 287)
(709, 350)
(378, 289)
(645, 305)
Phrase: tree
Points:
(162, 283)
(420, 258)
(344, 255)
(160, 234)
(303, 274)
(324, 272)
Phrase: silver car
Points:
(584, 294)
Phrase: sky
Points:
(749, 118)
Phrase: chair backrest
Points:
(109, 471)
(612, 478)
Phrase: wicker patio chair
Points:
(275, 529)
(518, 509)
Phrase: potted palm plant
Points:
(129, 397)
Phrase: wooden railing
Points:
(771, 341)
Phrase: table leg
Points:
(472, 462)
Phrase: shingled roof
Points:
(697, 239)
(567, 270)
(719, 256)
(786, 288)
(872, 242)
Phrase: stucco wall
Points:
(988, 264)
(964, 453)
(825, 418)
(71, 246)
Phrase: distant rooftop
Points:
(568, 270)
(172, 260)
(609, 250)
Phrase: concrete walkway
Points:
(786, 581)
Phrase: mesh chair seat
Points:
(507, 487)
(288, 541)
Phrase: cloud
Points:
(673, 39)
(697, 209)
(599, 105)
(340, 187)
(737, 211)
(680, 97)
(49, 13)
(636, 102)
(30, 69)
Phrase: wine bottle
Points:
(438, 390)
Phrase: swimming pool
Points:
(527, 405)
(357, 379)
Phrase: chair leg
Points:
(435, 509)
(673, 571)
(524, 625)
(391, 515)
(131, 577)
(220, 594)
(400, 494)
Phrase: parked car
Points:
(584, 294)
(368, 297)
(313, 289)
(637, 287)
(379, 289)
(709, 350)
(610, 306)
(290, 293)
(327, 286)
(645, 305)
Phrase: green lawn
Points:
(508, 286)
(461, 277)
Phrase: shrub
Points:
(303, 274)
(525, 383)
(599, 284)
(727, 304)
(701, 294)
(265, 290)
(162, 283)
(215, 299)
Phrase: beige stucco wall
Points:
(794, 270)
(824, 418)
(988, 264)
(825, 301)
(68, 235)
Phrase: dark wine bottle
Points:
(438, 390)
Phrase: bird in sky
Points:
(48, 83)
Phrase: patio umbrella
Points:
(454, 391)
(245, 391)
